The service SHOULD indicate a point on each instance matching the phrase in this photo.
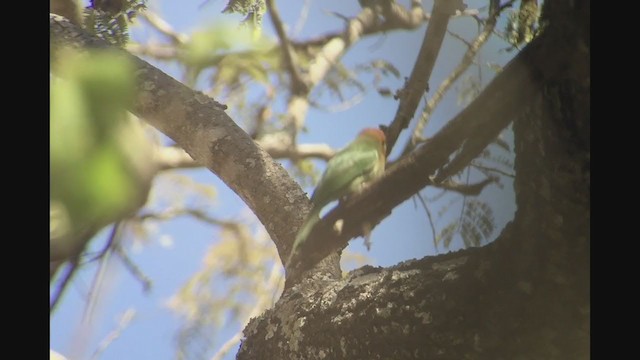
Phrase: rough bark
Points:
(524, 296)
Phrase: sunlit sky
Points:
(405, 234)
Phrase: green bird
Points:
(347, 172)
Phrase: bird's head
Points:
(376, 135)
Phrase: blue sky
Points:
(405, 234)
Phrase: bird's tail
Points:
(303, 232)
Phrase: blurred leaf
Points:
(100, 168)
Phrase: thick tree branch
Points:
(199, 124)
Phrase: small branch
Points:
(164, 27)
(124, 322)
(342, 106)
(298, 86)
(485, 169)
(463, 207)
(302, 151)
(419, 78)
(302, 19)
(104, 257)
(433, 226)
(466, 189)
(173, 157)
(134, 269)
(71, 268)
(458, 37)
(173, 213)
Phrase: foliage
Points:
(99, 155)
(522, 26)
(109, 19)
(253, 10)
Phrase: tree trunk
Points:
(524, 296)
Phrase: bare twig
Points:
(458, 37)
(342, 106)
(486, 169)
(463, 207)
(123, 323)
(302, 19)
(134, 269)
(173, 157)
(465, 189)
(163, 27)
(298, 85)
(431, 224)
(104, 256)
(72, 266)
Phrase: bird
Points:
(360, 162)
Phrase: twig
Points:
(456, 36)
(466, 189)
(134, 269)
(71, 268)
(463, 207)
(125, 320)
(302, 19)
(491, 169)
(433, 226)
(164, 28)
(104, 256)
(298, 86)
(108, 245)
(342, 106)
(172, 213)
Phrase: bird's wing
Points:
(342, 170)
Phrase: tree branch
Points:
(298, 86)
(164, 28)
(465, 189)
(72, 266)
(418, 81)
(464, 64)
(123, 323)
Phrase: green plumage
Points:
(361, 161)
